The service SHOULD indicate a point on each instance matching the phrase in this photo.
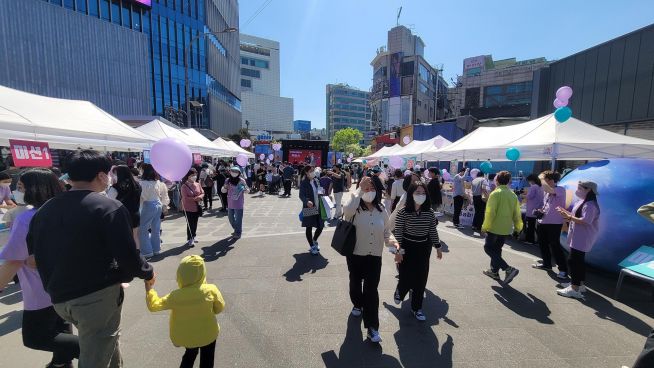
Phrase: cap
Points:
(235, 168)
(376, 169)
(589, 185)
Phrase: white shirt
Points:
(397, 190)
(372, 228)
(153, 190)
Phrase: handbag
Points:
(345, 237)
(310, 211)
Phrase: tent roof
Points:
(543, 139)
(64, 124)
(421, 147)
(386, 151)
(235, 148)
(203, 141)
(159, 130)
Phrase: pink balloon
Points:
(262, 156)
(245, 143)
(559, 103)
(271, 156)
(396, 162)
(406, 139)
(242, 159)
(564, 93)
(276, 146)
(349, 159)
(171, 158)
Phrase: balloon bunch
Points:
(276, 146)
(245, 143)
(562, 112)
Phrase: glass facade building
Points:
(171, 26)
(347, 107)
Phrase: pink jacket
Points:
(191, 195)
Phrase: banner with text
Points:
(30, 153)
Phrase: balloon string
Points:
(181, 200)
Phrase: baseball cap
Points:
(589, 185)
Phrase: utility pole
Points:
(398, 16)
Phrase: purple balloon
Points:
(242, 159)
(564, 93)
(171, 158)
(396, 162)
(271, 156)
(276, 146)
(406, 139)
(262, 156)
(558, 103)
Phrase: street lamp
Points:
(187, 56)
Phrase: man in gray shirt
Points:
(459, 193)
(478, 191)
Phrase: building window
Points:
(250, 73)
(222, 93)
(255, 62)
(508, 94)
(254, 49)
(104, 10)
(115, 11)
(136, 19)
(407, 68)
(125, 15)
(247, 83)
(81, 6)
(423, 73)
(94, 10)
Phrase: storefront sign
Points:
(146, 156)
(30, 153)
(197, 158)
(640, 261)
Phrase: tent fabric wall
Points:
(203, 141)
(235, 148)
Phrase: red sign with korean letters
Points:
(30, 153)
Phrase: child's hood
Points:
(191, 271)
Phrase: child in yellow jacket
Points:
(193, 308)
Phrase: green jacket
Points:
(502, 212)
(647, 211)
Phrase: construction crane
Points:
(398, 16)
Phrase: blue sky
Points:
(330, 41)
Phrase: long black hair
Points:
(125, 182)
(305, 171)
(148, 173)
(410, 205)
(534, 178)
(191, 171)
(40, 185)
(591, 196)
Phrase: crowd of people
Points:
(77, 239)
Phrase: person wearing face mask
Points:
(84, 249)
(310, 197)
(18, 196)
(373, 231)
(192, 196)
(5, 191)
(415, 231)
(151, 207)
(584, 227)
(235, 188)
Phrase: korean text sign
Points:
(30, 153)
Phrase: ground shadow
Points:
(305, 263)
(11, 322)
(605, 309)
(527, 306)
(218, 250)
(173, 215)
(357, 352)
(416, 341)
(11, 295)
(168, 253)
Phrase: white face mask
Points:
(419, 198)
(19, 197)
(192, 178)
(368, 197)
(233, 174)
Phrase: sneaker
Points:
(373, 335)
(493, 275)
(189, 243)
(314, 250)
(236, 236)
(396, 297)
(356, 312)
(315, 244)
(195, 240)
(511, 273)
(419, 315)
(562, 276)
(569, 292)
(65, 365)
(582, 288)
(539, 266)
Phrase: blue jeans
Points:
(235, 217)
(150, 220)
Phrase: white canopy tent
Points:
(158, 129)
(419, 148)
(65, 124)
(545, 139)
(233, 147)
(204, 141)
(385, 151)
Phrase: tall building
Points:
(347, 107)
(406, 88)
(612, 83)
(127, 56)
(301, 126)
(263, 107)
(495, 88)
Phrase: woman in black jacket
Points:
(310, 197)
(127, 190)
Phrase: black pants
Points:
(312, 238)
(646, 357)
(365, 270)
(208, 197)
(493, 247)
(548, 239)
(414, 271)
(458, 205)
(223, 198)
(480, 208)
(577, 266)
(43, 329)
(530, 229)
(287, 186)
(193, 224)
(395, 202)
(206, 356)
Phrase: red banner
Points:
(197, 158)
(30, 153)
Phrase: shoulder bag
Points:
(345, 236)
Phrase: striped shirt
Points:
(415, 226)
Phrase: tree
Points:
(346, 137)
(242, 133)
(357, 150)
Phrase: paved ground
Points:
(286, 308)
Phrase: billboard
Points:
(307, 157)
(144, 2)
(395, 83)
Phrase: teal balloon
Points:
(364, 162)
(562, 114)
(485, 167)
(513, 154)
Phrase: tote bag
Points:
(345, 237)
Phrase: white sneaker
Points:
(195, 240)
(569, 292)
(373, 335)
(582, 288)
(315, 244)
(314, 250)
(356, 312)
